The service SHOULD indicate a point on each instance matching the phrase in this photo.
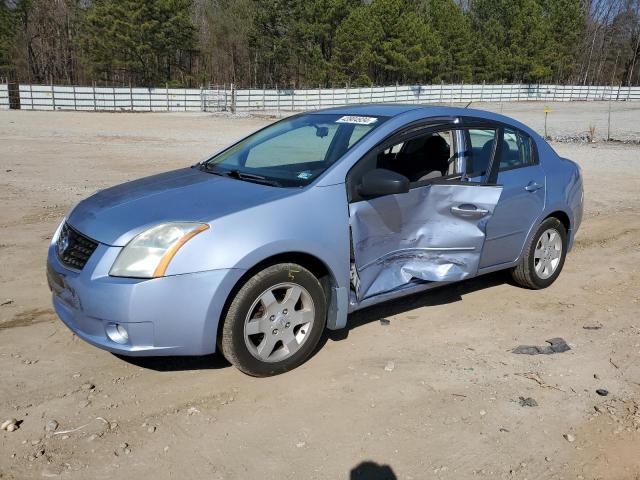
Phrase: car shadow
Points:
(438, 296)
(214, 361)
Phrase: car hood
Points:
(115, 215)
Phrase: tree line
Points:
(311, 43)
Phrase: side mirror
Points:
(380, 181)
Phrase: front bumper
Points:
(174, 315)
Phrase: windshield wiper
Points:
(237, 174)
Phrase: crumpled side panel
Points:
(414, 236)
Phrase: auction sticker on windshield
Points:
(357, 120)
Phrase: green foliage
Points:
(307, 43)
(7, 32)
(144, 41)
(385, 42)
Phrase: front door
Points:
(433, 233)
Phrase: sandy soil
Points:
(448, 409)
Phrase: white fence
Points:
(48, 97)
(4, 97)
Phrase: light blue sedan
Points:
(258, 249)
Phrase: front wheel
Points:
(275, 320)
(543, 257)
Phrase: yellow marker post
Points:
(546, 112)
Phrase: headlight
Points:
(148, 255)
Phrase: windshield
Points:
(293, 152)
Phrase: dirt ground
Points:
(449, 409)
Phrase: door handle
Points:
(533, 186)
(468, 210)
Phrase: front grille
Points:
(74, 249)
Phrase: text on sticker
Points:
(356, 119)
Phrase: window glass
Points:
(294, 151)
(300, 145)
(358, 132)
(516, 150)
(482, 141)
(421, 158)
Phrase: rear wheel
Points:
(275, 320)
(544, 256)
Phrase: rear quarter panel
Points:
(564, 188)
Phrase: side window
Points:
(421, 158)
(481, 147)
(516, 150)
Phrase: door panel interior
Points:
(433, 233)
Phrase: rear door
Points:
(433, 233)
(522, 202)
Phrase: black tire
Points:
(525, 273)
(232, 341)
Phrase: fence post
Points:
(75, 107)
(293, 94)
(166, 90)
(131, 96)
(277, 101)
(113, 96)
(233, 98)
(333, 95)
(185, 99)
(53, 96)
(264, 97)
(482, 90)
(395, 95)
(31, 95)
(346, 93)
(93, 92)
(319, 96)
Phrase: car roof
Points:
(426, 111)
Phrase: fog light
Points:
(117, 333)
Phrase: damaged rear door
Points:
(435, 232)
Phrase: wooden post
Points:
(346, 93)
(150, 103)
(233, 98)
(609, 116)
(166, 86)
(93, 92)
(277, 101)
(53, 96)
(131, 96)
(264, 97)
